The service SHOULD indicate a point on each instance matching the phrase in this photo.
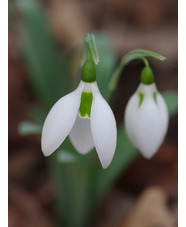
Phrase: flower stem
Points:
(130, 56)
(145, 61)
(92, 47)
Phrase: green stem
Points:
(145, 61)
(132, 55)
(95, 48)
(92, 48)
(89, 53)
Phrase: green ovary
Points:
(86, 103)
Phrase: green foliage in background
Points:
(81, 183)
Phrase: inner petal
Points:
(85, 105)
(81, 135)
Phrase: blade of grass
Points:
(48, 74)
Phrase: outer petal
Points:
(146, 125)
(81, 135)
(149, 128)
(162, 106)
(60, 121)
(130, 116)
(103, 127)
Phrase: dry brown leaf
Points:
(151, 210)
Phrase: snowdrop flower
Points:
(146, 116)
(85, 116)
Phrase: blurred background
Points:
(147, 188)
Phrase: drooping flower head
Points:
(146, 116)
(85, 116)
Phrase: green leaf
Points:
(124, 155)
(107, 63)
(171, 98)
(73, 185)
(72, 202)
(29, 128)
(37, 114)
(65, 156)
(47, 72)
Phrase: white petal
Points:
(81, 135)
(147, 89)
(162, 106)
(149, 128)
(130, 116)
(103, 127)
(146, 125)
(60, 121)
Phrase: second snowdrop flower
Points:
(85, 116)
(146, 116)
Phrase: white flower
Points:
(86, 117)
(146, 119)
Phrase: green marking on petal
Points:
(86, 103)
(141, 96)
(154, 95)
